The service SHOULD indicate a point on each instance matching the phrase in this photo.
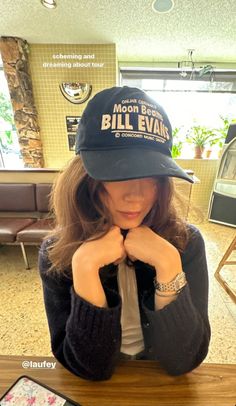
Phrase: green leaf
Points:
(6, 112)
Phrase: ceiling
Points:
(140, 34)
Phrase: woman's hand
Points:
(145, 245)
(103, 251)
(87, 260)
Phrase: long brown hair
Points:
(80, 214)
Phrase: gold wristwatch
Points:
(173, 286)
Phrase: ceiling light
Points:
(49, 3)
(162, 6)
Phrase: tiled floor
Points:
(24, 327)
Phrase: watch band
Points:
(173, 286)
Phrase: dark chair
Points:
(17, 209)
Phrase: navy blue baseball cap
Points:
(124, 134)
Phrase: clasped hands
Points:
(141, 243)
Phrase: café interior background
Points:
(51, 105)
(53, 108)
(117, 33)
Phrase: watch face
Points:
(175, 285)
(181, 280)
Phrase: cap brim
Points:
(125, 164)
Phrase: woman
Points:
(123, 276)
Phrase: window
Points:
(10, 156)
(199, 102)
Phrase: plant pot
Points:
(198, 152)
(208, 153)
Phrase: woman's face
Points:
(129, 201)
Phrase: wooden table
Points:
(135, 383)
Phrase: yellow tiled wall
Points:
(52, 107)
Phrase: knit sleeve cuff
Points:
(93, 318)
(179, 314)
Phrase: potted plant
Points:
(222, 132)
(200, 137)
(212, 141)
(177, 143)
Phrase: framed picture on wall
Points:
(71, 141)
(72, 123)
